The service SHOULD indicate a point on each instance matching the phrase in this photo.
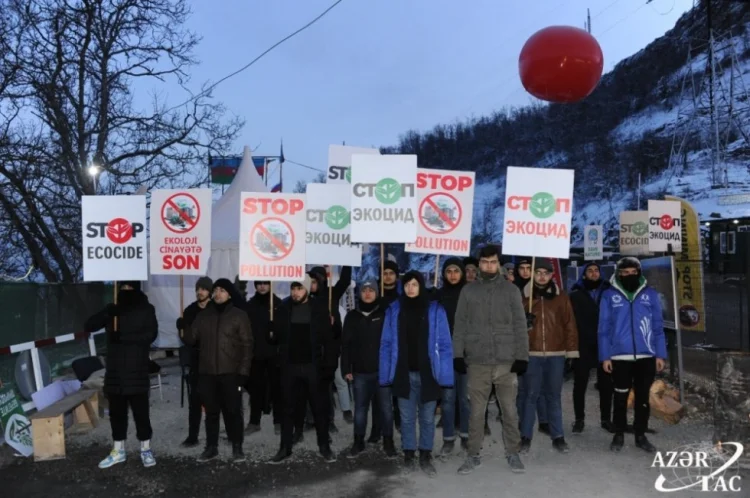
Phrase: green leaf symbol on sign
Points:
(388, 191)
(348, 175)
(337, 217)
(640, 228)
(542, 205)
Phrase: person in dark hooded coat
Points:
(131, 327)
(454, 400)
(585, 297)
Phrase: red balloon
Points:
(561, 64)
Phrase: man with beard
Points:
(392, 288)
(455, 400)
(360, 351)
(226, 348)
(585, 297)
(553, 338)
(304, 333)
(490, 337)
(265, 376)
(471, 266)
(631, 346)
(131, 327)
(329, 367)
(416, 361)
(202, 297)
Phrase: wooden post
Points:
(270, 306)
(437, 270)
(382, 268)
(115, 320)
(330, 288)
(182, 306)
(531, 291)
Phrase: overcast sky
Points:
(372, 69)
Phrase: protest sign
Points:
(329, 225)
(634, 233)
(664, 226)
(593, 243)
(340, 162)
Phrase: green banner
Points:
(16, 427)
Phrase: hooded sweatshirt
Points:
(448, 294)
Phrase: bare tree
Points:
(67, 101)
(301, 186)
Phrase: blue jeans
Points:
(367, 392)
(541, 405)
(544, 380)
(448, 405)
(409, 408)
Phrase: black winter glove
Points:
(530, 317)
(112, 310)
(459, 365)
(180, 323)
(519, 367)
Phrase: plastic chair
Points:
(185, 369)
(154, 370)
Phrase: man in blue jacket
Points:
(631, 346)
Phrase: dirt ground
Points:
(590, 469)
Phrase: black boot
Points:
(425, 463)
(190, 442)
(328, 455)
(608, 426)
(643, 443)
(358, 447)
(238, 456)
(374, 438)
(282, 455)
(618, 441)
(388, 447)
(409, 458)
(297, 438)
(209, 453)
(578, 426)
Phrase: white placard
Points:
(272, 237)
(384, 198)
(114, 238)
(538, 212)
(664, 226)
(593, 242)
(180, 231)
(329, 226)
(634, 233)
(445, 201)
(340, 162)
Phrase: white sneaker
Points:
(147, 457)
(114, 457)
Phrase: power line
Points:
(621, 20)
(304, 165)
(235, 73)
(604, 10)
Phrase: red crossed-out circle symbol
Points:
(440, 213)
(119, 230)
(180, 213)
(272, 239)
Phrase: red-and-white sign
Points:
(272, 237)
(180, 229)
(446, 203)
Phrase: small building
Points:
(727, 243)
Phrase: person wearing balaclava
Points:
(330, 365)
(304, 333)
(416, 361)
(471, 268)
(265, 376)
(454, 401)
(585, 297)
(131, 327)
(202, 298)
(226, 348)
(632, 346)
(522, 274)
(553, 339)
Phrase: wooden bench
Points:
(48, 425)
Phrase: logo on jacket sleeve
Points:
(647, 333)
(616, 299)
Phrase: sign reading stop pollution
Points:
(445, 202)
(272, 237)
(664, 226)
(340, 162)
(538, 212)
(593, 242)
(383, 198)
(328, 226)
(114, 238)
(180, 229)
(634, 233)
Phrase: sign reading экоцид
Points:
(329, 226)
(340, 162)
(384, 198)
(538, 212)
(446, 202)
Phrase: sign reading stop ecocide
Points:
(180, 229)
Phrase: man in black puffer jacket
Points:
(226, 347)
(454, 279)
(585, 297)
(131, 327)
(264, 372)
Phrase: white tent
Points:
(164, 290)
